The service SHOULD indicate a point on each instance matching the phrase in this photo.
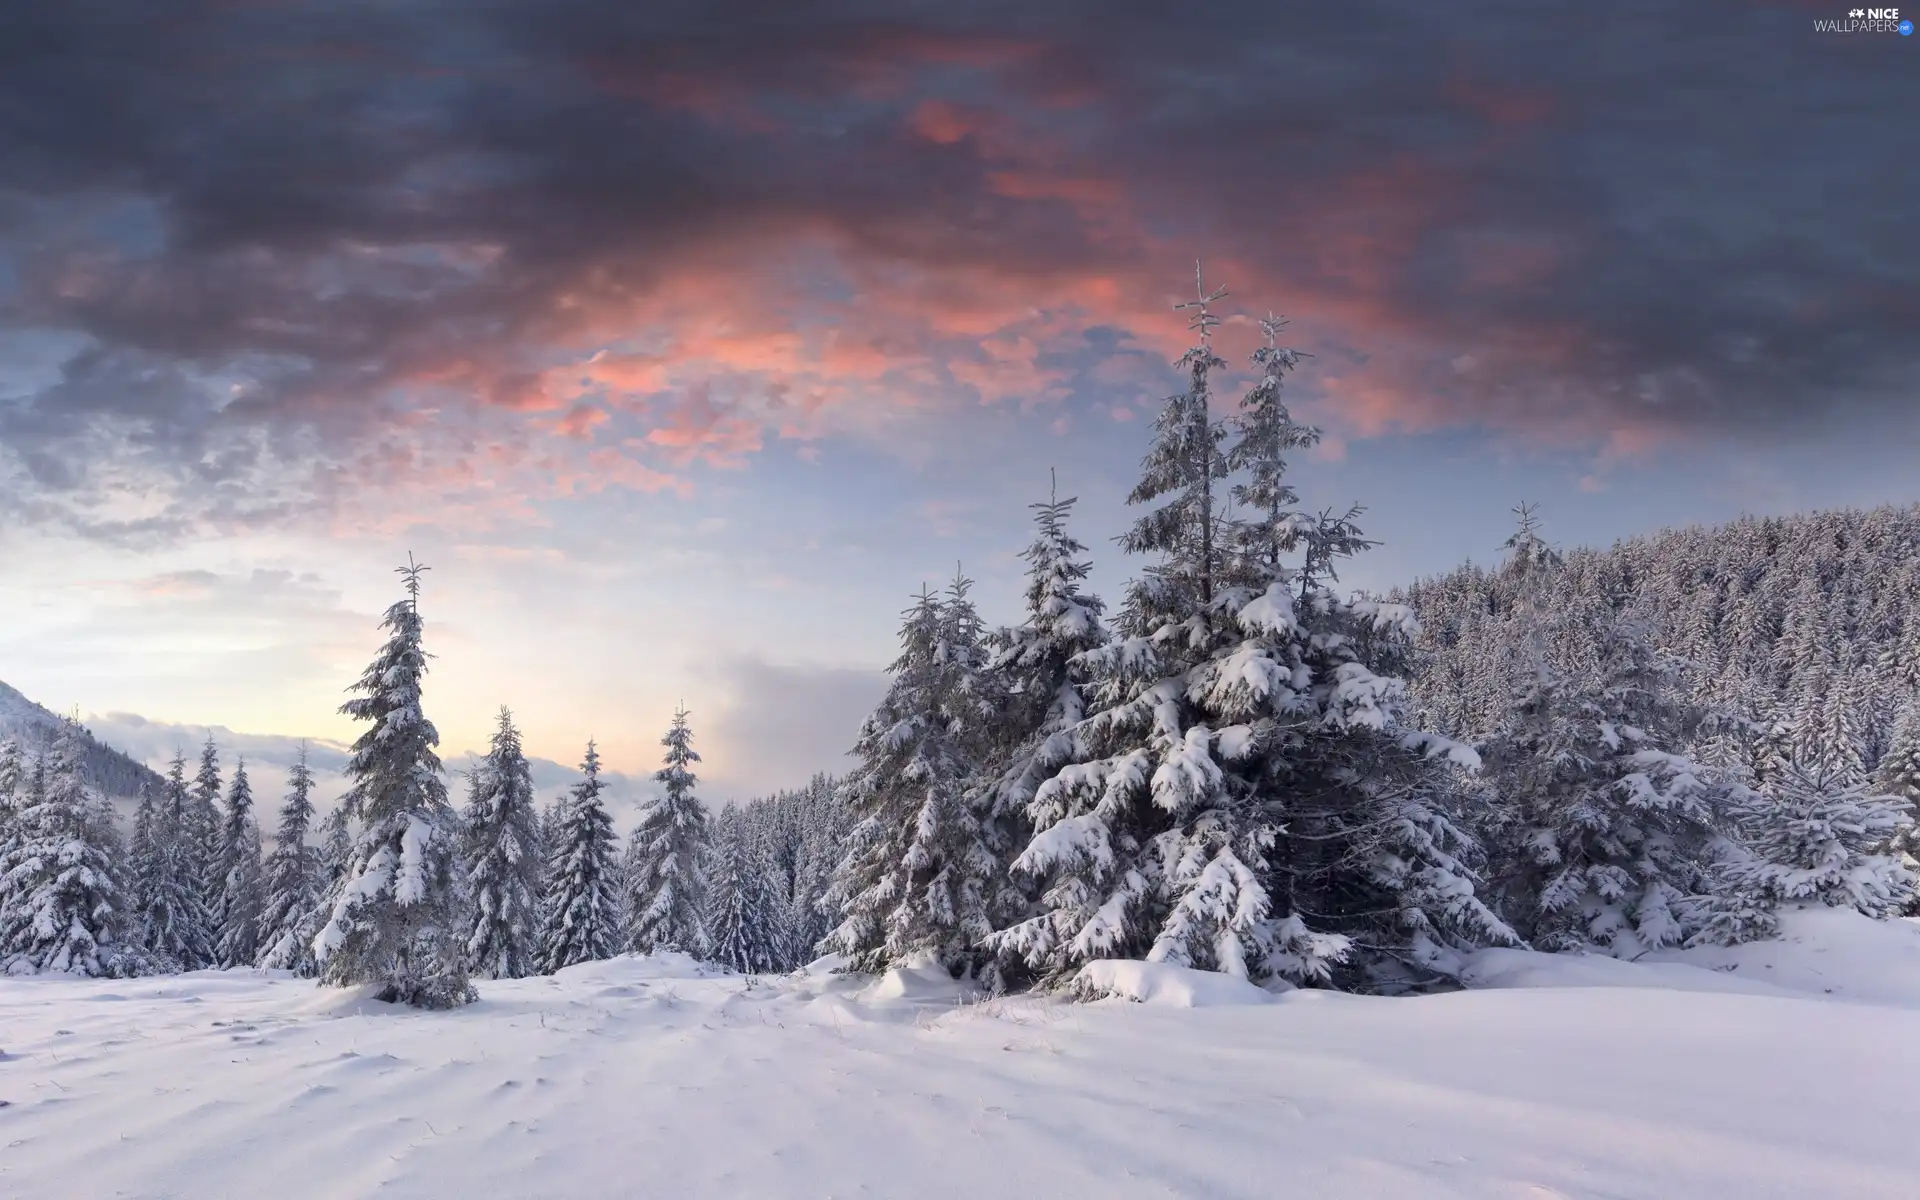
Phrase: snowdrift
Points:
(1828, 952)
(1781, 1070)
(1163, 985)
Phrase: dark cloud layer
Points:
(257, 258)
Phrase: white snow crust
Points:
(1783, 1069)
(1164, 984)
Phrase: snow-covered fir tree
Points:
(396, 919)
(1528, 554)
(546, 835)
(916, 872)
(30, 790)
(290, 912)
(1831, 740)
(1145, 760)
(1606, 833)
(241, 886)
(744, 925)
(205, 834)
(665, 865)
(501, 857)
(1899, 777)
(579, 922)
(1244, 797)
(336, 859)
(1267, 436)
(1813, 837)
(142, 857)
(170, 919)
(1039, 685)
(59, 903)
(102, 822)
(13, 779)
(13, 775)
(977, 845)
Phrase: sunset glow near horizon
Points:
(685, 347)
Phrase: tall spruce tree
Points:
(142, 859)
(502, 861)
(583, 877)
(101, 821)
(977, 843)
(204, 836)
(914, 875)
(290, 913)
(666, 856)
(171, 921)
(241, 886)
(59, 903)
(1143, 763)
(1245, 797)
(1041, 686)
(1040, 682)
(395, 920)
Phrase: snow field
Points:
(657, 1076)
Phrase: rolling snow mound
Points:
(1164, 985)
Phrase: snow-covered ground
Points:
(1787, 1069)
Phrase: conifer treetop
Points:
(240, 786)
(410, 578)
(1184, 463)
(207, 782)
(1268, 433)
(1202, 321)
(675, 775)
(1526, 550)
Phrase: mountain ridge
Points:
(114, 772)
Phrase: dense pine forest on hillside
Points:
(1237, 768)
(107, 770)
(1809, 625)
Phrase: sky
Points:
(685, 342)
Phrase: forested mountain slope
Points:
(1809, 625)
(107, 769)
